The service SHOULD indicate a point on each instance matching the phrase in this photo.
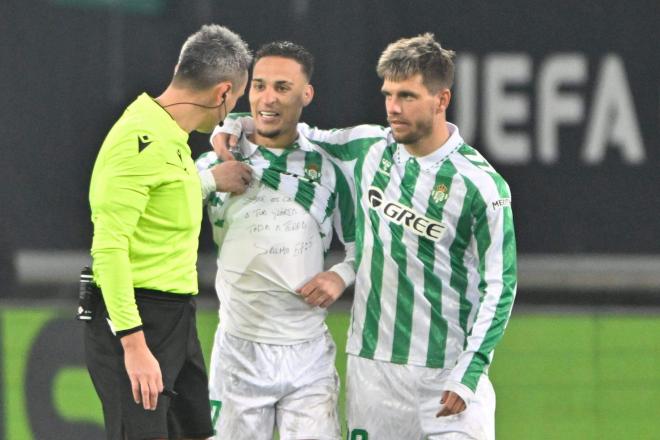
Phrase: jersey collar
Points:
(433, 160)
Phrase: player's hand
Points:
(143, 370)
(323, 289)
(452, 404)
(232, 177)
(223, 143)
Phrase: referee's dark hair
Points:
(212, 55)
(287, 49)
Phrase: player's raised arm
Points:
(344, 144)
(224, 138)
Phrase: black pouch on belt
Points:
(88, 295)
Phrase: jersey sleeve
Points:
(344, 225)
(496, 252)
(345, 144)
(234, 124)
(344, 212)
(118, 200)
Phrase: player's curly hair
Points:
(212, 55)
(421, 54)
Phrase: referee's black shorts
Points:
(170, 330)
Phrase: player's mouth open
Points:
(268, 115)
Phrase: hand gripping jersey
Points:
(272, 240)
(436, 254)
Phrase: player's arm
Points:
(224, 138)
(344, 223)
(118, 201)
(345, 144)
(496, 252)
(325, 288)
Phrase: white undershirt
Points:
(272, 247)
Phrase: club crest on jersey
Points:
(385, 166)
(312, 172)
(405, 216)
(440, 193)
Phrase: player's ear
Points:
(443, 98)
(308, 94)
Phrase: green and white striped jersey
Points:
(435, 252)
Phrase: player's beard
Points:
(269, 134)
(419, 130)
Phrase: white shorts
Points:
(388, 401)
(256, 388)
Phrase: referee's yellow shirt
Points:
(146, 204)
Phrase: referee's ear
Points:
(221, 90)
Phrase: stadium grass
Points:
(563, 377)
(556, 377)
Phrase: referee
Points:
(142, 349)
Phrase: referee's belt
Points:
(159, 295)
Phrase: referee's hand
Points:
(143, 370)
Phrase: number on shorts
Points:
(216, 406)
(359, 434)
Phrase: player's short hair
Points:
(421, 54)
(212, 55)
(287, 49)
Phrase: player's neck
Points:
(428, 144)
(283, 140)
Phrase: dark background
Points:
(69, 68)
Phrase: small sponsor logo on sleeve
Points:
(501, 203)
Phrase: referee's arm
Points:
(118, 198)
